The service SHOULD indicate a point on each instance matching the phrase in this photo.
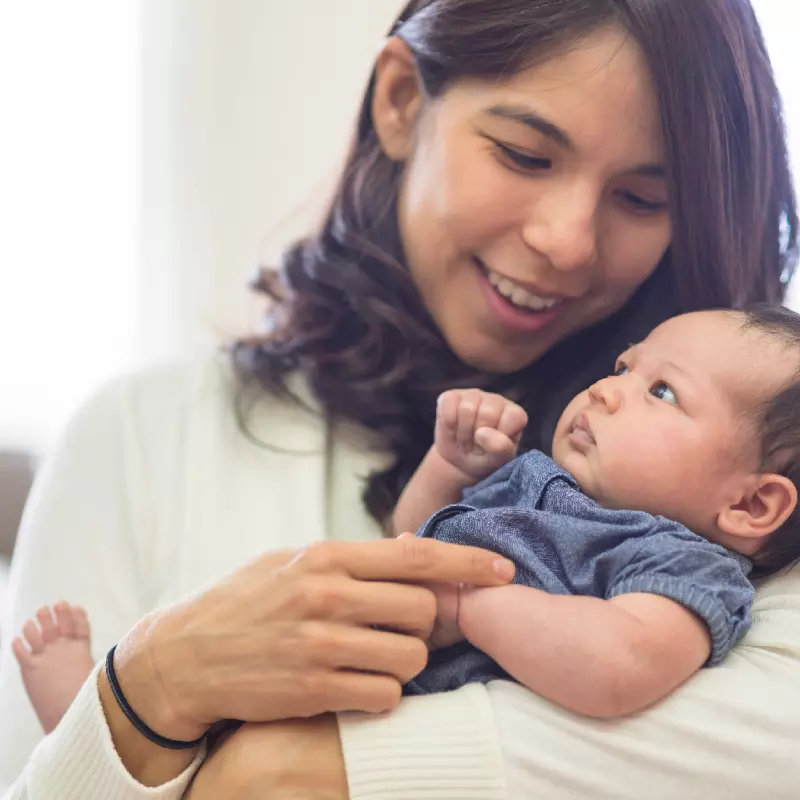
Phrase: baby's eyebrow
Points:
(631, 349)
(635, 348)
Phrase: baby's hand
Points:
(445, 630)
(477, 432)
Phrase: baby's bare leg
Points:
(55, 660)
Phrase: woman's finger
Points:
(344, 647)
(400, 607)
(414, 560)
(353, 691)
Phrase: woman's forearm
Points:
(292, 759)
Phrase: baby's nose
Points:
(607, 393)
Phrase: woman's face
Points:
(531, 206)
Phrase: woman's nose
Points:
(608, 392)
(562, 227)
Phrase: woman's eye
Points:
(525, 162)
(638, 203)
(620, 370)
(663, 392)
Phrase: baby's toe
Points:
(65, 619)
(33, 636)
(22, 653)
(81, 621)
(47, 624)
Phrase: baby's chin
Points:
(584, 470)
(577, 465)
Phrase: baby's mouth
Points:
(582, 429)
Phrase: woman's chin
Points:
(487, 355)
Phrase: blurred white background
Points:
(150, 152)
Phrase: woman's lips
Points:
(511, 317)
(528, 286)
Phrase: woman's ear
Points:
(766, 504)
(396, 99)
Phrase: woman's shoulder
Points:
(209, 385)
(776, 613)
(168, 384)
(175, 407)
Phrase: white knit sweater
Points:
(154, 492)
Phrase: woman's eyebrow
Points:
(650, 170)
(527, 116)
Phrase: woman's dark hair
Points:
(778, 425)
(346, 312)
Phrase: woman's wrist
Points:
(140, 664)
(148, 674)
(147, 763)
(136, 720)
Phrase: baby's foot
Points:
(477, 432)
(55, 660)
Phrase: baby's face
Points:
(674, 427)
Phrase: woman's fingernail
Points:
(505, 569)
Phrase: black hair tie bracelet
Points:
(133, 717)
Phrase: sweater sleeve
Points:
(728, 732)
(80, 541)
(78, 761)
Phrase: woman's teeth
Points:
(517, 295)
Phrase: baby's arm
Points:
(476, 433)
(601, 658)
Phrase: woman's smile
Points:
(514, 306)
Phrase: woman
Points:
(532, 185)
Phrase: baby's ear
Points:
(767, 502)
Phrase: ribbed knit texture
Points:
(80, 761)
(443, 748)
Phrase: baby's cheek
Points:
(629, 480)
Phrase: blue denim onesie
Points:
(532, 512)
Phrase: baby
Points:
(698, 429)
(611, 609)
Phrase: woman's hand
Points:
(335, 626)
(291, 759)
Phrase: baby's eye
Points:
(620, 370)
(663, 392)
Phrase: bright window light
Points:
(69, 199)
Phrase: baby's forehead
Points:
(745, 363)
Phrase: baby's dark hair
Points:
(779, 429)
